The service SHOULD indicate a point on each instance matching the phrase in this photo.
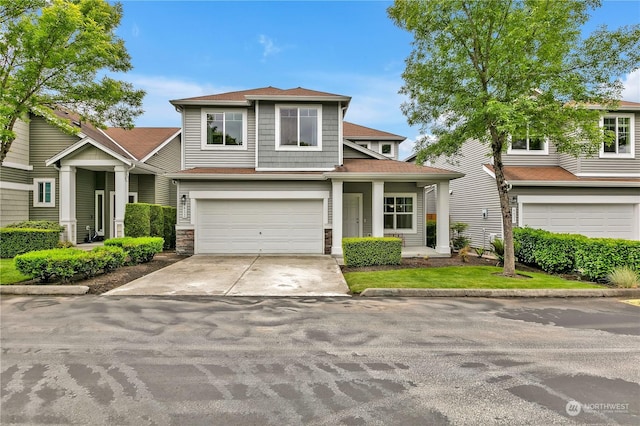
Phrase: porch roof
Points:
(142, 141)
(555, 176)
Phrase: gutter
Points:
(257, 176)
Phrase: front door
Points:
(99, 213)
(352, 215)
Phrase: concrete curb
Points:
(496, 293)
(49, 290)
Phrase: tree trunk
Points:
(503, 194)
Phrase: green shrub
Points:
(497, 247)
(525, 242)
(137, 220)
(14, 241)
(139, 250)
(623, 276)
(597, 257)
(45, 264)
(103, 258)
(480, 251)
(432, 230)
(372, 251)
(170, 217)
(37, 224)
(556, 253)
(458, 240)
(156, 221)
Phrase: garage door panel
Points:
(592, 220)
(259, 226)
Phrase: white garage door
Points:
(259, 226)
(592, 220)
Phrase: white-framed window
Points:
(386, 149)
(224, 129)
(527, 143)
(44, 192)
(365, 144)
(621, 127)
(298, 127)
(400, 213)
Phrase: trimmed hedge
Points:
(170, 217)
(372, 251)
(594, 258)
(37, 224)
(68, 262)
(139, 250)
(156, 221)
(14, 241)
(137, 220)
(431, 230)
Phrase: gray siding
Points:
(85, 202)
(15, 206)
(270, 158)
(46, 141)
(167, 159)
(615, 165)
(569, 162)
(19, 151)
(147, 189)
(475, 191)
(9, 174)
(352, 153)
(195, 156)
(550, 159)
(236, 186)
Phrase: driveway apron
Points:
(208, 275)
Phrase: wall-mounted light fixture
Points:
(183, 199)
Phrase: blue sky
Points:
(190, 48)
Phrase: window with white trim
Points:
(400, 213)
(527, 142)
(224, 129)
(386, 149)
(620, 128)
(365, 144)
(298, 127)
(44, 192)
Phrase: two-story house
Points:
(279, 171)
(84, 181)
(596, 196)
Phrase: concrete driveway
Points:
(207, 275)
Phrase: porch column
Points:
(442, 222)
(68, 202)
(377, 209)
(336, 221)
(121, 198)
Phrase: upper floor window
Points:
(528, 143)
(299, 127)
(386, 149)
(224, 129)
(620, 128)
(44, 193)
(365, 144)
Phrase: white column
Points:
(336, 220)
(377, 209)
(442, 237)
(122, 196)
(68, 202)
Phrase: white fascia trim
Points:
(82, 143)
(98, 163)
(345, 99)
(17, 166)
(294, 169)
(16, 186)
(185, 227)
(162, 145)
(489, 171)
(203, 130)
(255, 177)
(609, 175)
(211, 103)
(398, 177)
(258, 195)
(573, 183)
(578, 199)
(340, 138)
(116, 142)
(620, 108)
(364, 150)
(257, 120)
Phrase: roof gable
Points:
(142, 141)
(261, 93)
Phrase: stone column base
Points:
(184, 241)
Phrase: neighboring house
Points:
(85, 180)
(278, 171)
(597, 196)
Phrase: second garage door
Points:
(259, 226)
(591, 220)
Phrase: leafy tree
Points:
(51, 52)
(490, 69)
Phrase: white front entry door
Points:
(352, 215)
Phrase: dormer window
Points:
(298, 127)
(620, 128)
(386, 149)
(528, 143)
(224, 129)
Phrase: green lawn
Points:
(456, 277)
(9, 274)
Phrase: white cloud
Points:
(268, 46)
(407, 147)
(135, 30)
(631, 90)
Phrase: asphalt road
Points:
(248, 361)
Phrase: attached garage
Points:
(615, 220)
(264, 226)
